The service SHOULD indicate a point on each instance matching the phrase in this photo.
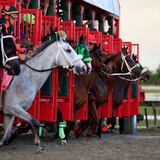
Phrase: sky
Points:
(140, 23)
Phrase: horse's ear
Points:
(81, 38)
(56, 29)
(3, 29)
(53, 34)
(134, 57)
(99, 46)
(84, 38)
(95, 46)
(51, 30)
(125, 50)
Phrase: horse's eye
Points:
(68, 50)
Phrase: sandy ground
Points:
(145, 145)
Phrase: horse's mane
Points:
(47, 40)
(41, 47)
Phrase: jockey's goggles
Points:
(13, 16)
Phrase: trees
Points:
(154, 77)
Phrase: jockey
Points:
(84, 51)
(92, 42)
(8, 18)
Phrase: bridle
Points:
(60, 48)
(130, 70)
(5, 58)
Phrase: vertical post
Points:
(101, 19)
(51, 8)
(155, 115)
(79, 14)
(110, 23)
(34, 3)
(65, 8)
(145, 111)
(90, 16)
(117, 28)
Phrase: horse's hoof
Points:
(76, 135)
(89, 135)
(63, 142)
(40, 149)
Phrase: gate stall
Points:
(70, 17)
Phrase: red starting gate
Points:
(35, 26)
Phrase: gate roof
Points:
(111, 6)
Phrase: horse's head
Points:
(128, 65)
(8, 57)
(72, 59)
(144, 73)
(101, 60)
(82, 50)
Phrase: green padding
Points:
(64, 86)
(27, 18)
(134, 90)
(88, 59)
(47, 87)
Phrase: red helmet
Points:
(91, 38)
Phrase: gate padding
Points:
(48, 102)
(66, 102)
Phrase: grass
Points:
(149, 112)
(152, 91)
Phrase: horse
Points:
(120, 89)
(8, 56)
(83, 83)
(34, 72)
(123, 62)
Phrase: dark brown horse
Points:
(124, 65)
(83, 83)
(120, 89)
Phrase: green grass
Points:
(152, 91)
(149, 112)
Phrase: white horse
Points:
(23, 88)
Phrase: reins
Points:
(39, 70)
(46, 70)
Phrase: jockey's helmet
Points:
(9, 11)
(91, 39)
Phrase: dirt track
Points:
(143, 146)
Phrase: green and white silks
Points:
(83, 50)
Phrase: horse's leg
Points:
(93, 117)
(70, 126)
(61, 126)
(121, 125)
(7, 126)
(18, 111)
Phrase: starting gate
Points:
(34, 25)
